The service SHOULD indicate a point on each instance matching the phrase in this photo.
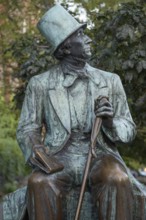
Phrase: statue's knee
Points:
(109, 174)
(37, 179)
(117, 177)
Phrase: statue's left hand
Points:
(104, 109)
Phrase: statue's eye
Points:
(80, 33)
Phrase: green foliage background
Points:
(120, 47)
(11, 159)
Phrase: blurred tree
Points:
(120, 47)
(16, 19)
(102, 4)
(11, 159)
(34, 51)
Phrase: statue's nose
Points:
(87, 39)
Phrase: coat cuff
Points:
(121, 131)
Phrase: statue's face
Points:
(80, 45)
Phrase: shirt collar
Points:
(70, 74)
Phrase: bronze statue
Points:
(63, 99)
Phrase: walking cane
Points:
(95, 130)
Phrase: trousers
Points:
(108, 181)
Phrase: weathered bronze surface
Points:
(63, 99)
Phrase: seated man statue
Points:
(65, 100)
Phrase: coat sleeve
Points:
(30, 123)
(124, 129)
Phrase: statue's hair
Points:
(61, 51)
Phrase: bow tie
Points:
(72, 74)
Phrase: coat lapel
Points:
(98, 86)
(59, 98)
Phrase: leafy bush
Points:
(120, 47)
(11, 159)
(32, 54)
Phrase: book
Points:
(48, 164)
